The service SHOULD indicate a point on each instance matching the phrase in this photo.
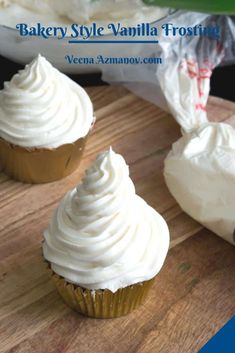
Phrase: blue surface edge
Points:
(223, 341)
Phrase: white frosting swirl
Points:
(104, 236)
(41, 107)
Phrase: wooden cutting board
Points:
(192, 297)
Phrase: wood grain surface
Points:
(192, 297)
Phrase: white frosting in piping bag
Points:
(41, 107)
(104, 236)
(200, 168)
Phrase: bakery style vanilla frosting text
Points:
(41, 107)
(104, 236)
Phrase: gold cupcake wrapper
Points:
(102, 304)
(40, 165)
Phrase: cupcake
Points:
(105, 244)
(45, 118)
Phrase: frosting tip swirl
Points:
(104, 236)
(41, 107)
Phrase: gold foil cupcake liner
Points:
(40, 165)
(102, 304)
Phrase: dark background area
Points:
(221, 82)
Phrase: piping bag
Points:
(200, 168)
